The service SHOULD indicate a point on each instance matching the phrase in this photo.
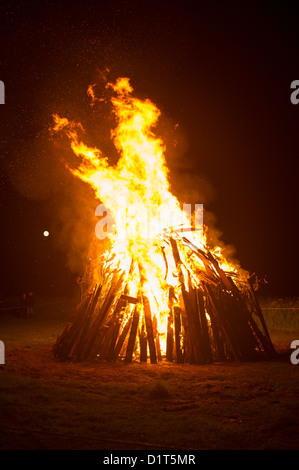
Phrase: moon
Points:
(46, 233)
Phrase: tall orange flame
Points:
(140, 186)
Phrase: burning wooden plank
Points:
(177, 334)
(204, 325)
(170, 326)
(122, 338)
(143, 343)
(133, 334)
(149, 329)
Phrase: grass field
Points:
(50, 405)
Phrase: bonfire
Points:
(158, 292)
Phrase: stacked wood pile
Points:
(212, 318)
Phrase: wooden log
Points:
(122, 338)
(260, 316)
(177, 334)
(96, 344)
(240, 331)
(203, 258)
(118, 315)
(227, 281)
(219, 345)
(188, 354)
(247, 326)
(222, 324)
(204, 326)
(260, 338)
(197, 315)
(109, 304)
(93, 303)
(117, 340)
(250, 336)
(92, 335)
(157, 339)
(106, 340)
(86, 321)
(92, 347)
(148, 319)
(128, 298)
(165, 261)
(231, 320)
(243, 318)
(64, 341)
(241, 334)
(143, 344)
(149, 329)
(133, 333)
(71, 339)
(110, 354)
(244, 331)
(170, 337)
(191, 326)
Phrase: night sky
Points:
(222, 72)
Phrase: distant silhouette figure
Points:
(27, 305)
(23, 309)
(30, 301)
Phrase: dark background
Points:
(221, 70)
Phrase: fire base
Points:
(211, 317)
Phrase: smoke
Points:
(73, 213)
(34, 173)
(187, 182)
(190, 185)
(39, 173)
